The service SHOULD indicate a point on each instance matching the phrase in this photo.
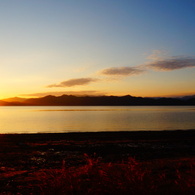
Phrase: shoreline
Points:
(106, 134)
(139, 144)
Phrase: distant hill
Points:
(2, 103)
(188, 97)
(70, 100)
(14, 99)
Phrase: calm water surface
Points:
(36, 119)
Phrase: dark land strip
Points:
(23, 154)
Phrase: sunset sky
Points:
(97, 47)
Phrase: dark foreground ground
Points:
(98, 163)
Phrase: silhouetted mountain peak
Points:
(127, 100)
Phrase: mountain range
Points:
(70, 100)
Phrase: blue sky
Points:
(45, 44)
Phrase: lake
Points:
(58, 119)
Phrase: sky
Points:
(97, 47)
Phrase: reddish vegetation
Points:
(98, 163)
(130, 177)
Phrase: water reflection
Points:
(94, 118)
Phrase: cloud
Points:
(158, 61)
(157, 55)
(74, 82)
(59, 93)
(122, 71)
(171, 63)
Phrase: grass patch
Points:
(126, 177)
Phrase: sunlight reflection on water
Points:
(93, 118)
(125, 109)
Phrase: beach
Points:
(23, 155)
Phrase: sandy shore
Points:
(22, 154)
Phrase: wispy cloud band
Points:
(157, 63)
(74, 82)
(172, 63)
(76, 93)
(121, 71)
